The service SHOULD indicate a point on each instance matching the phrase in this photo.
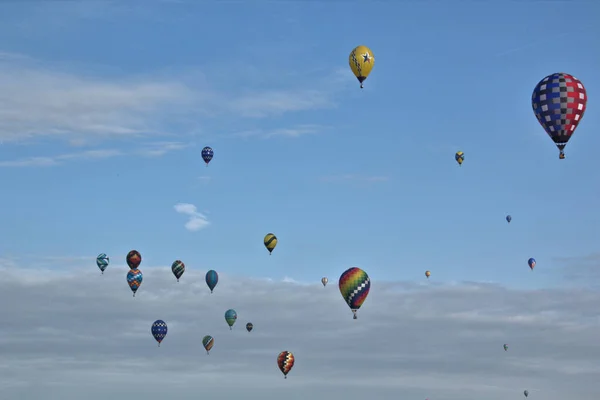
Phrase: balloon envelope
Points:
(559, 102)
(102, 262)
(178, 268)
(159, 330)
(285, 362)
(134, 259)
(211, 278)
(207, 154)
(354, 286)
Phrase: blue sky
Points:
(342, 176)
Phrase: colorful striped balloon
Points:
(208, 342)
(178, 268)
(354, 286)
(285, 362)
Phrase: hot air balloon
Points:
(354, 286)
(159, 330)
(249, 326)
(207, 154)
(559, 102)
(134, 279)
(526, 393)
(211, 278)
(102, 262)
(324, 280)
(134, 259)
(427, 274)
(285, 362)
(178, 268)
(361, 62)
(505, 347)
(459, 157)
(508, 218)
(208, 343)
(531, 263)
(270, 242)
(230, 317)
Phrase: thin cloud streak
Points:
(355, 178)
(149, 150)
(294, 132)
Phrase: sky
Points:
(106, 106)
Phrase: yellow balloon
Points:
(361, 62)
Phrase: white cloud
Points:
(148, 150)
(409, 341)
(196, 220)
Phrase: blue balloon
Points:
(207, 154)
(508, 218)
(159, 330)
(212, 278)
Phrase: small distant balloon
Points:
(427, 274)
(159, 330)
(531, 263)
(102, 262)
(526, 393)
(211, 278)
(249, 326)
(505, 347)
(508, 218)
(134, 280)
(208, 343)
(354, 286)
(270, 242)
(324, 281)
(459, 157)
(134, 259)
(178, 268)
(207, 154)
(230, 317)
(285, 362)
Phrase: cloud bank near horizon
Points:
(74, 334)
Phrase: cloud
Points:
(196, 220)
(410, 341)
(48, 102)
(297, 131)
(148, 150)
(355, 178)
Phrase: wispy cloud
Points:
(148, 150)
(354, 178)
(297, 131)
(279, 102)
(196, 220)
(45, 102)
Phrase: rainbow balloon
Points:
(354, 286)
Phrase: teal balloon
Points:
(102, 262)
(230, 317)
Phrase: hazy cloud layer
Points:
(68, 334)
